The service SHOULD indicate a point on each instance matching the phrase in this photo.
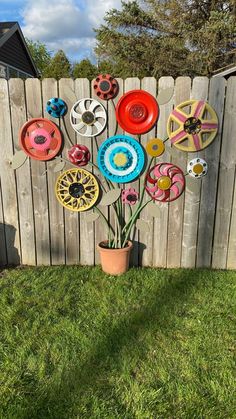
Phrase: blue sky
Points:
(65, 24)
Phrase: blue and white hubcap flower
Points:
(121, 158)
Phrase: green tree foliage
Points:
(84, 69)
(59, 66)
(88, 70)
(168, 37)
(40, 55)
(107, 67)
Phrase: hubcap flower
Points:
(79, 155)
(129, 196)
(165, 182)
(155, 147)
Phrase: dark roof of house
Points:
(5, 26)
(9, 29)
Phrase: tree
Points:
(168, 37)
(107, 67)
(59, 66)
(40, 55)
(85, 69)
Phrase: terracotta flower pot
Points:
(114, 261)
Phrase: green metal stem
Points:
(134, 218)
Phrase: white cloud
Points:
(54, 20)
(97, 9)
(65, 24)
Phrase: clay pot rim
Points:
(122, 250)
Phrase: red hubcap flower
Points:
(165, 182)
(79, 155)
(137, 111)
(129, 196)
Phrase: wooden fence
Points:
(196, 230)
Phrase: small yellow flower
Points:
(155, 147)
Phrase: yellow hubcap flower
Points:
(77, 189)
(155, 147)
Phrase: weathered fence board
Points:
(150, 85)
(176, 208)
(114, 129)
(97, 141)
(160, 232)
(198, 229)
(133, 84)
(209, 183)
(226, 180)
(39, 182)
(23, 175)
(87, 251)
(192, 192)
(3, 250)
(231, 256)
(56, 216)
(72, 243)
(8, 181)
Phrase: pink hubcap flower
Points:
(129, 196)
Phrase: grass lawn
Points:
(76, 343)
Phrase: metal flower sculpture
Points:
(129, 196)
(88, 117)
(165, 182)
(79, 155)
(137, 111)
(121, 159)
(194, 129)
(40, 139)
(77, 189)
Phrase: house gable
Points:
(13, 49)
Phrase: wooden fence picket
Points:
(23, 175)
(39, 183)
(160, 223)
(8, 180)
(146, 240)
(176, 208)
(226, 180)
(72, 233)
(87, 234)
(133, 84)
(56, 216)
(192, 191)
(209, 183)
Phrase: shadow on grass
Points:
(91, 376)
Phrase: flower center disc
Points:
(137, 112)
(76, 190)
(192, 125)
(164, 183)
(104, 86)
(88, 117)
(198, 168)
(131, 198)
(120, 159)
(40, 139)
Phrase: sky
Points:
(60, 24)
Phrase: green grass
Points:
(76, 343)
